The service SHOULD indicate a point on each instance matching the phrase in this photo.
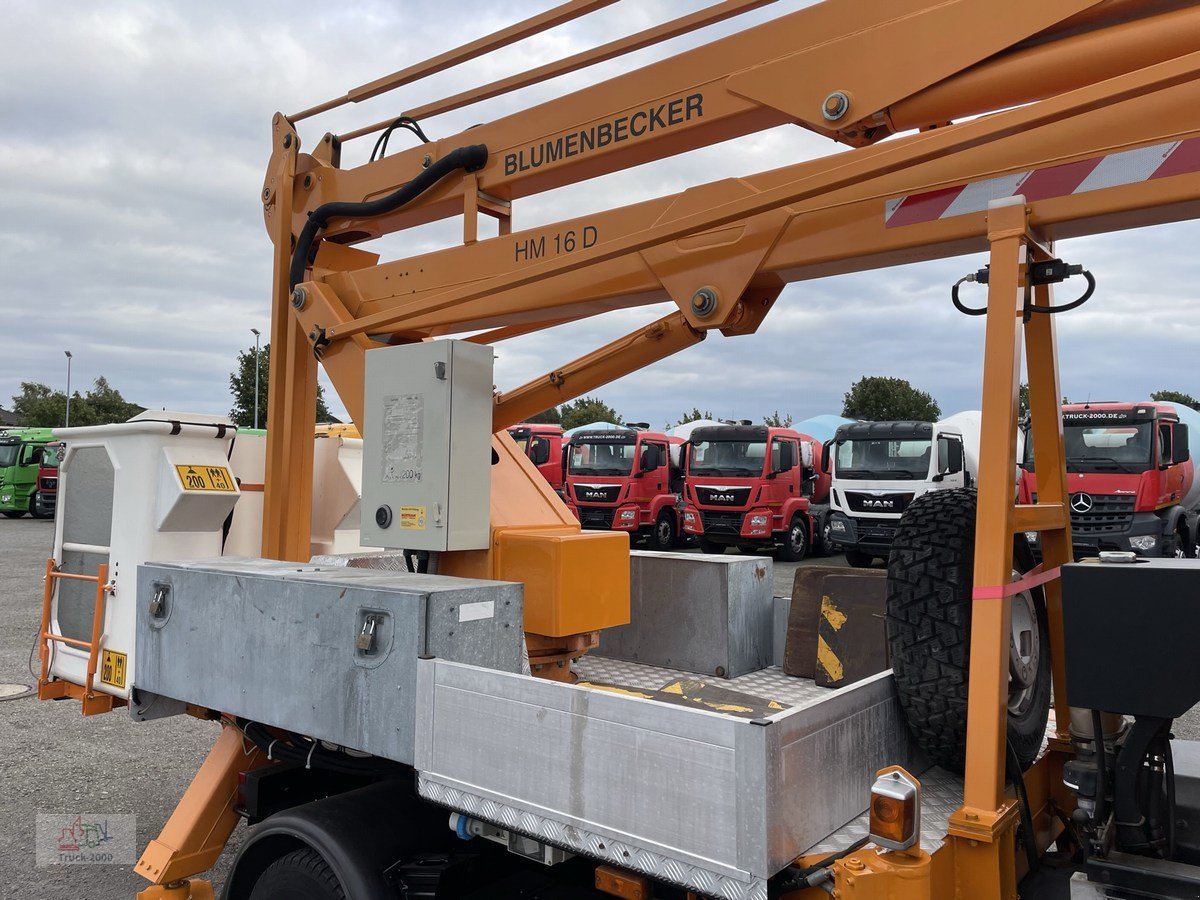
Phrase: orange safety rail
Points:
(93, 702)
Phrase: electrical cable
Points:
(470, 158)
(316, 756)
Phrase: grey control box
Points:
(427, 429)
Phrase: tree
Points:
(1023, 401)
(1176, 397)
(585, 410)
(41, 407)
(549, 416)
(694, 416)
(774, 420)
(241, 385)
(881, 399)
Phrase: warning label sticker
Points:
(403, 421)
(206, 478)
(112, 668)
(412, 518)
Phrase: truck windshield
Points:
(8, 455)
(743, 459)
(1126, 447)
(601, 457)
(51, 457)
(865, 459)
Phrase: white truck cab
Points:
(879, 468)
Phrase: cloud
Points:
(134, 142)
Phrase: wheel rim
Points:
(664, 531)
(796, 537)
(1024, 653)
(827, 534)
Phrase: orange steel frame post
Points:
(1080, 80)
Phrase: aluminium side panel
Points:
(278, 643)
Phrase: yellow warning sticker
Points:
(412, 518)
(112, 668)
(206, 478)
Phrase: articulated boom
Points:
(1100, 131)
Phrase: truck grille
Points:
(1110, 514)
(596, 517)
(883, 530)
(865, 502)
(722, 522)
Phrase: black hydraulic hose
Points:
(1079, 301)
(1018, 780)
(1169, 761)
(798, 880)
(470, 158)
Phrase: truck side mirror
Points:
(541, 452)
(825, 458)
(1180, 450)
(950, 458)
(650, 458)
(787, 457)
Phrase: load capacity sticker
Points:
(206, 478)
(412, 518)
(112, 668)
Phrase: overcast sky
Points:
(133, 141)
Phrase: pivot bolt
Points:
(299, 298)
(704, 302)
(835, 106)
(426, 161)
(287, 140)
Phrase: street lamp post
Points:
(67, 423)
(256, 340)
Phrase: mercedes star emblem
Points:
(1081, 503)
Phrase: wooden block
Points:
(851, 630)
(800, 646)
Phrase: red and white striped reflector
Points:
(1111, 170)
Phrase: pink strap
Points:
(1036, 576)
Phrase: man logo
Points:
(1082, 503)
(594, 495)
(879, 504)
(721, 498)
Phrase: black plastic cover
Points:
(1132, 633)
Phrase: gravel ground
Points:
(53, 760)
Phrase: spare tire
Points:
(929, 588)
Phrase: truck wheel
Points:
(707, 546)
(826, 532)
(14, 513)
(929, 589)
(301, 873)
(795, 541)
(663, 536)
(859, 560)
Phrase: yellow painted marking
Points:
(834, 616)
(676, 688)
(613, 689)
(206, 478)
(412, 518)
(829, 661)
(112, 668)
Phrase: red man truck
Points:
(543, 444)
(628, 479)
(1130, 478)
(758, 489)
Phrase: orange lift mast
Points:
(1080, 81)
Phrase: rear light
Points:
(895, 814)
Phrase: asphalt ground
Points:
(54, 761)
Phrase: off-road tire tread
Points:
(928, 616)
